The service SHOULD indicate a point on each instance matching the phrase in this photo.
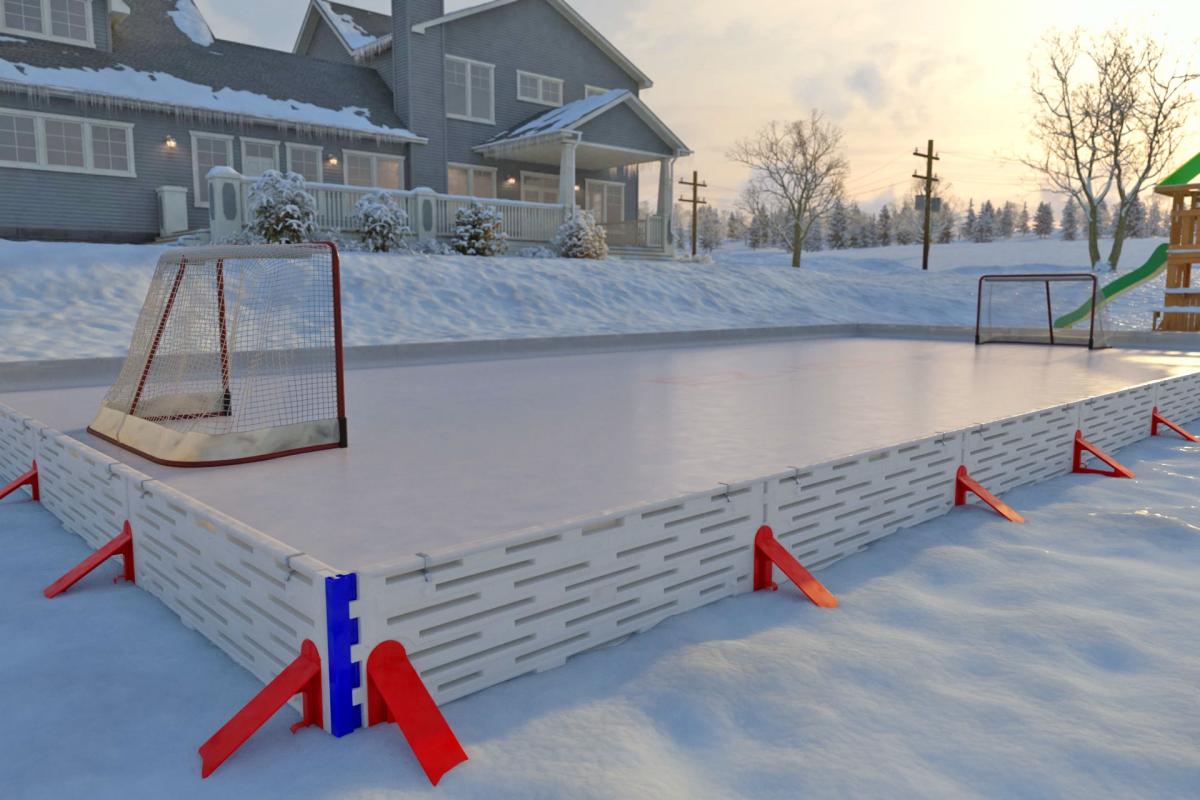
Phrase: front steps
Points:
(628, 253)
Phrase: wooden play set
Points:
(1183, 251)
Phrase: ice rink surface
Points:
(446, 454)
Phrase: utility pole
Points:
(695, 202)
(929, 181)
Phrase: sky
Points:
(892, 75)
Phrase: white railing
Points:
(523, 222)
(649, 232)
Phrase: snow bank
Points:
(125, 83)
(189, 20)
(77, 300)
(970, 658)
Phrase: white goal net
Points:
(1052, 309)
(236, 356)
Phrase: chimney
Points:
(405, 14)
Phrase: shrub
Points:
(381, 221)
(284, 213)
(581, 237)
(478, 231)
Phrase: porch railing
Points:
(649, 232)
(523, 221)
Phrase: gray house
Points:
(128, 121)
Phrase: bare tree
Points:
(1110, 114)
(797, 171)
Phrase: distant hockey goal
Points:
(236, 357)
(1052, 309)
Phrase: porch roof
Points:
(539, 140)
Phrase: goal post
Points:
(1063, 308)
(236, 356)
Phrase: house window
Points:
(258, 156)
(470, 91)
(209, 150)
(373, 169)
(62, 20)
(65, 144)
(606, 200)
(465, 180)
(537, 187)
(592, 91)
(305, 161)
(541, 89)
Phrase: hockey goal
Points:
(1053, 309)
(236, 356)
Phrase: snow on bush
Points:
(478, 231)
(284, 213)
(581, 237)
(381, 221)
(428, 247)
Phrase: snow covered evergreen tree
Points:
(1006, 221)
(968, 226)
(1135, 220)
(1070, 221)
(1154, 220)
(736, 226)
(883, 227)
(283, 212)
(944, 223)
(838, 223)
(759, 233)
(815, 241)
(478, 231)
(910, 226)
(1043, 220)
(710, 234)
(381, 222)
(581, 237)
(985, 224)
(1023, 220)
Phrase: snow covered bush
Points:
(428, 247)
(381, 221)
(581, 237)
(284, 213)
(478, 231)
(535, 252)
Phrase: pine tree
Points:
(1154, 220)
(1043, 220)
(759, 233)
(985, 224)
(815, 241)
(1070, 221)
(1023, 220)
(1006, 222)
(909, 226)
(838, 224)
(1103, 219)
(709, 235)
(883, 227)
(944, 222)
(968, 226)
(736, 229)
(1135, 220)
(856, 227)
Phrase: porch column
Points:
(566, 175)
(666, 193)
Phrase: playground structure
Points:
(1181, 306)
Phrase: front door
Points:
(606, 201)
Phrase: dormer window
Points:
(58, 20)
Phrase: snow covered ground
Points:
(77, 300)
(970, 658)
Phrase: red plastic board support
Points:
(1156, 420)
(964, 483)
(395, 693)
(769, 553)
(301, 677)
(1084, 446)
(29, 479)
(122, 545)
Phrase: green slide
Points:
(1153, 266)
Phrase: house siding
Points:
(622, 127)
(77, 206)
(326, 46)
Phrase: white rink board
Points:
(477, 612)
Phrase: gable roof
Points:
(155, 66)
(571, 15)
(574, 115)
(356, 28)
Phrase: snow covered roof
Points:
(574, 115)
(158, 63)
(357, 28)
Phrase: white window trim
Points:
(591, 91)
(50, 37)
(587, 193)
(471, 170)
(292, 147)
(245, 140)
(39, 134)
(196, 176)
(528, 174)
(468, 117)
(374, 168)
(540, 79)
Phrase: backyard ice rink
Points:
(970, 657)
